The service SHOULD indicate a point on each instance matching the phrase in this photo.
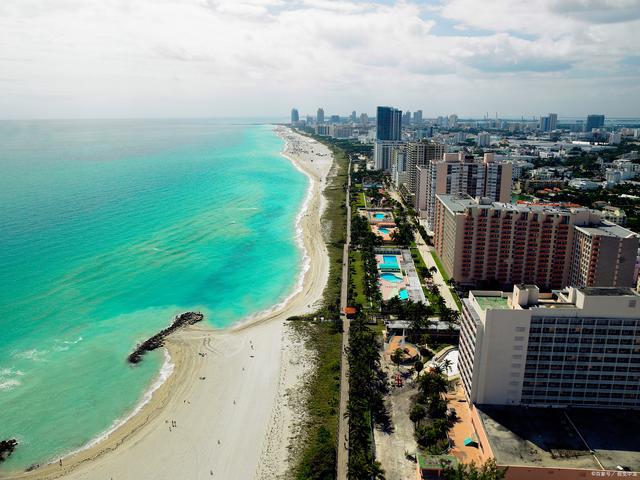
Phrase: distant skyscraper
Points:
(549, 123)
(594, 121)
(484, 139)
(295, 116)
(335, 118)
(389, 124)
(364, 119)
(407, 117)
(417, 117)
(320, 116)
(354, 116)
(453, 121)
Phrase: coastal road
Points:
(343, 421)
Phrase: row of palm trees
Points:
(367, 389)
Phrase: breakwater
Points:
(182, 320)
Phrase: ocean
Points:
(107, 230)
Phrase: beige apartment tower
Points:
(485, 242)
(462, 173)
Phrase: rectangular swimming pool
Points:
(390, 260)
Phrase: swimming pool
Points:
(378, 216)
(384, 230)
(403, 294)
(390, 260)
(390, 277)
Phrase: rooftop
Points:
(492, 302)
(607, 230)
(543, 437)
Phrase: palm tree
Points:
(397, 357)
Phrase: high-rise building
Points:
(417, 117)
(576, 347)
(334, 119)
(388, 136)
(364, 119)
(295, 116)
(548, 123)
(399, 165)
(594, 121)
(483, 139)
(389, 124)
(406, 118)
(453, 121)
(463, 173)
(485, 242)
(320, 116)
(382, 153)
(421, 153)
(354, 116)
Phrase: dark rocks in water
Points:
(6, 448)
(182, 320)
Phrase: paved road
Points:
(343, 421)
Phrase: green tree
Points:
(418, 366)
(417, 413)
(397, 357)
(470, 471)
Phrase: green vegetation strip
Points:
(443, 272)
(314, 451)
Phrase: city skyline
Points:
(223, 58)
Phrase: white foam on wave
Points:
(9, 384)
(165, 372)
(299, 238)
(33, 354)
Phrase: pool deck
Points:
(410, 279)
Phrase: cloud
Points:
(243, 57)
(598, 11)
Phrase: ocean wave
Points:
(33, 354)
(9, 384)
(165, 372)
(305, 263)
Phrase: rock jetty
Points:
(182, 320)
(6, 448)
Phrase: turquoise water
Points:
(379, 216)
(390, 277)
(403, 294)
(390, 260)
(383, 230)
(107, 230)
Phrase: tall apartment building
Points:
(463, 173)
(421, 153)
(295, 116)
(483, 139)
(480, 241)
(577, 347)
(388, 124)
(388, 136)
(549, 123)
(399, 165)
(320, 116)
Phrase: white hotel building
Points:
(578, 347)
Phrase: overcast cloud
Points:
(167, 58)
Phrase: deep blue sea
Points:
(107, 230)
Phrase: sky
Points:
(239, 58)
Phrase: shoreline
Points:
(183, 349)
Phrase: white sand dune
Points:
(223, 412)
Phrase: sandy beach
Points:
(224, 412)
